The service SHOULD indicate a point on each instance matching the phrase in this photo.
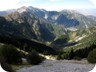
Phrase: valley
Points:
(38, 35)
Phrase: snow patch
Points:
(55, 17)
(46, 16)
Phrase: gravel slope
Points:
(60, 66)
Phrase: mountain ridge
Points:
(36, 23)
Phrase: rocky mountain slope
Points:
(26, 24)
(66, 18)
(42, 25)
(68, 34)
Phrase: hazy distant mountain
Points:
(3, 12)
(87, 11)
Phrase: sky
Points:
(48, 4)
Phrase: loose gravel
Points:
(60, 66)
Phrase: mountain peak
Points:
(22, 9)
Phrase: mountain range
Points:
(62, 33)
(42, 25)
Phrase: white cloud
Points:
(54, 7)
(93, 1)
(60, 4)
(8, 4)
(11, 4)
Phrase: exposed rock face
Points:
(35, 23)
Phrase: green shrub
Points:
(71, 54)
(45, 52)
(66, 55)
(10, 54)
(5, 66)
(77, 58)
(34, 58)
(59, 56)
(92, 56)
